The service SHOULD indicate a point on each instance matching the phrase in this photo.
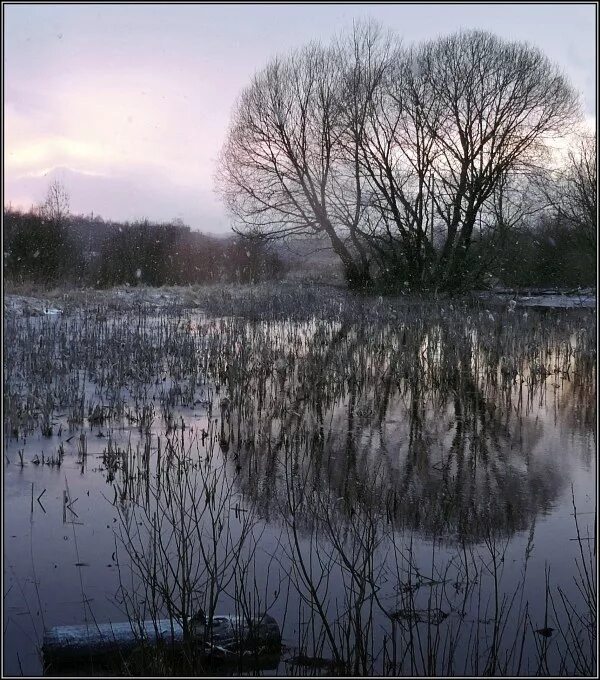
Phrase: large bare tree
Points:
(395, 154)
(456, 119)
(501, 101)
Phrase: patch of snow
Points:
(548, 299)
(558, 301)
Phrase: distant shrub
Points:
(39, 249)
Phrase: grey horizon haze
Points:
(129, 104)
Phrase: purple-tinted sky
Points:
(129, 104)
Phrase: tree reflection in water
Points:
(433, 429)
(373, 445)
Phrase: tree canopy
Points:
(394, 153)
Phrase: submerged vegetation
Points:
(370, 472)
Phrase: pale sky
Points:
(129, 104)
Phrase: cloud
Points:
(140, 130)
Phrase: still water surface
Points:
(413, 477)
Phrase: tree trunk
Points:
(357, 275)
(356, 271)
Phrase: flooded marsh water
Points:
(406, 488)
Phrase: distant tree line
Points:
(48, 245)
(425, 166)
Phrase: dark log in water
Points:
(228, 639)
